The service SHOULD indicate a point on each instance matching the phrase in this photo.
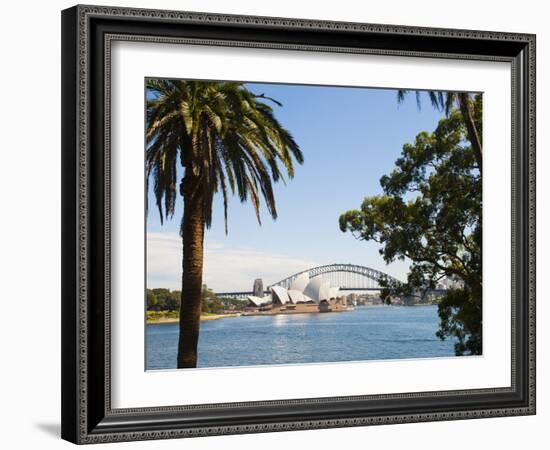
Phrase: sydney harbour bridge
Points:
(348, 277)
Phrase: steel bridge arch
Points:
(313, 272)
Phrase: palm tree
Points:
(444, 101)
(225, 138)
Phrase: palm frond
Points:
(226, 138)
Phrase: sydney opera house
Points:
(304, 295)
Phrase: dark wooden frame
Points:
(87, 32)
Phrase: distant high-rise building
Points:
(258, 289)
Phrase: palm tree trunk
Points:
(193, 249)
(473, 135)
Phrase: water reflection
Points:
(363, 334)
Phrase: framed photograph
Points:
(279, 224)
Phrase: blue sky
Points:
(350, 137)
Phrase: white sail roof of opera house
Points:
(297, 296)
(300, 282)
(259, 301)
(303, 289)
(280, 295)
(318, 290)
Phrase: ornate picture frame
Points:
(88, 33)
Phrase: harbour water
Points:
(366, 333)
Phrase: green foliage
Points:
(209, 302)
(227, 139)
(430, 214)
(234, 303)
(161, 301)
(460, 316)
(470, 110)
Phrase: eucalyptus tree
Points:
(430, 213)
(465, 102)
(225, 140)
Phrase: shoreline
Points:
(171, 320)
(206, 318)
(288, 313)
